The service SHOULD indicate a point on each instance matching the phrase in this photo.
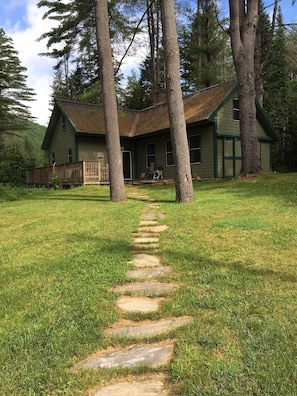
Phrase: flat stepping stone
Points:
(148, 216)
(140, 234)
(152, 386)
(142, 197)
(148, 222)
(147, 328)
(148, 273)
(157, 228)
(146, 239)
(150, 287)
(148, 247)
(146, 260)
(139, 304)
(143, 355)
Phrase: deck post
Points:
(83, 172)
(99, 172)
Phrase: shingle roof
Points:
(197, 107)
(89, 118)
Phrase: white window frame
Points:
(235, 114)
(169, 153)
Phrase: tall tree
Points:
(279, 94)
(116, 176)
(183, 177)
(243, 26)
(14, 92)
(206, 54)
(263, 42)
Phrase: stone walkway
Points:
(142, 293)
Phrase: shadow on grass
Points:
(70, 197)
(197, 261)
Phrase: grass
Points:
(234, 249)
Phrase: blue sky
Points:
(22, 21)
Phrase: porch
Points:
(69, 175)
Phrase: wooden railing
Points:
(73, 173)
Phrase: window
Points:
(63, 124)
(169, 153)
(70, 155)
(194, 148)
(150, 154)
(53, 159)
(236, 109)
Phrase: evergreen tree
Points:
(77, 65)
(136, 95)
(13, 89)
(206, 51)
(280, 98)
(244, 15)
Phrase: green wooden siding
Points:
(160, 154)
(61, 143)
(206, 167)
(91, 148)
(226, 125)
(228, 143)
(203, 169)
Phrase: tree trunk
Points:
(183, 177)
(116, 175)
(243, 25)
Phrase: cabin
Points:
(75, 138)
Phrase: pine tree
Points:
(13, 89)
(116, 175)
(243, 26)
(206, 52)
(178, 131)
(280, 98)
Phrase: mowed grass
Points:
(233, 250)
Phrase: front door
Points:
(127, 164)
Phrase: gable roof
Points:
(89, 118)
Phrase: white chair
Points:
(158, 174)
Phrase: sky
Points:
(22, 21)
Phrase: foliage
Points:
(233, 250)
(77, 67)
(21, 150)
(280, 98)
(206, 51)
(138, 92)
(13, 89)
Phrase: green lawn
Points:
(234, 250)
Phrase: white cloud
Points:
(39, 69)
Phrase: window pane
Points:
(236, 109)
(194, 141)
(169, 159)
(195, 156)
(150, 149)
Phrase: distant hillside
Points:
(29, 137)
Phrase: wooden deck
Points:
(68, 175)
